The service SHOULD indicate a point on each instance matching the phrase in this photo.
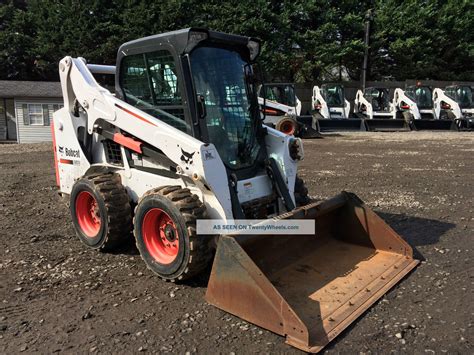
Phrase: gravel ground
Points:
(58, 296)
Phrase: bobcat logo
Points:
(60, 149)
(208, 155)
(187, 158)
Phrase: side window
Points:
(164, 80)
(135, 82)
(449, 92)
(150, 83)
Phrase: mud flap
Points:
(387, 125)
(310, 288)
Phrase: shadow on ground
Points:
(417, 231)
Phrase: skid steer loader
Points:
(455, 103)
(415, 105)
(333, 111)
(374, 105)
(182, 140)
(281, 109)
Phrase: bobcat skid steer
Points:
(455, 103)
(182, 140)
(415, 105)
(374, 105)
(332, 110)
(279, 106)
(281, 109)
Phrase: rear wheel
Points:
(165, 233)
(287, 125)
(100, 211)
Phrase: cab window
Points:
(150, 83)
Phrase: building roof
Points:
(12, 88)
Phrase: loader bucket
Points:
(465, 124)
(308, 127)
(348, 124)
(387, 125)
(435, 125)
(310, 288)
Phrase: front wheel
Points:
(165, 233)
(100, 210)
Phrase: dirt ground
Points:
(58, 296)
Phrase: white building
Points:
(26, 110)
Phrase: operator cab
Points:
(281, 93)
(462, 94)
(422, 95)
(200, 82)
(333, 94)
(379, 98)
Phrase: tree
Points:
(302, 40)
(16, 39)
(423, 39)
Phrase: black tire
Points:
(317, 115)
(443, 115)
(407, 116)
(113, 211)
(192, 253)
(301, 192)
(450, 115)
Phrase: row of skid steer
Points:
(416, 107)
(181, 140)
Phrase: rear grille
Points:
(113, 153)
(260, 208)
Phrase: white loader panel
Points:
(403, 103)
(70, 159)
(198, 165)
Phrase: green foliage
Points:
(423, 39)
(303, 40)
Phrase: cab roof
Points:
(182, 40)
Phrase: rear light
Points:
(445, 106)
(404, 106)
(272, 112)
(317, 106)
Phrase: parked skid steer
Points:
(333, 111)
(415, 104)
(182, 140)
(281, 109)
(455, 103)
(374, 105)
